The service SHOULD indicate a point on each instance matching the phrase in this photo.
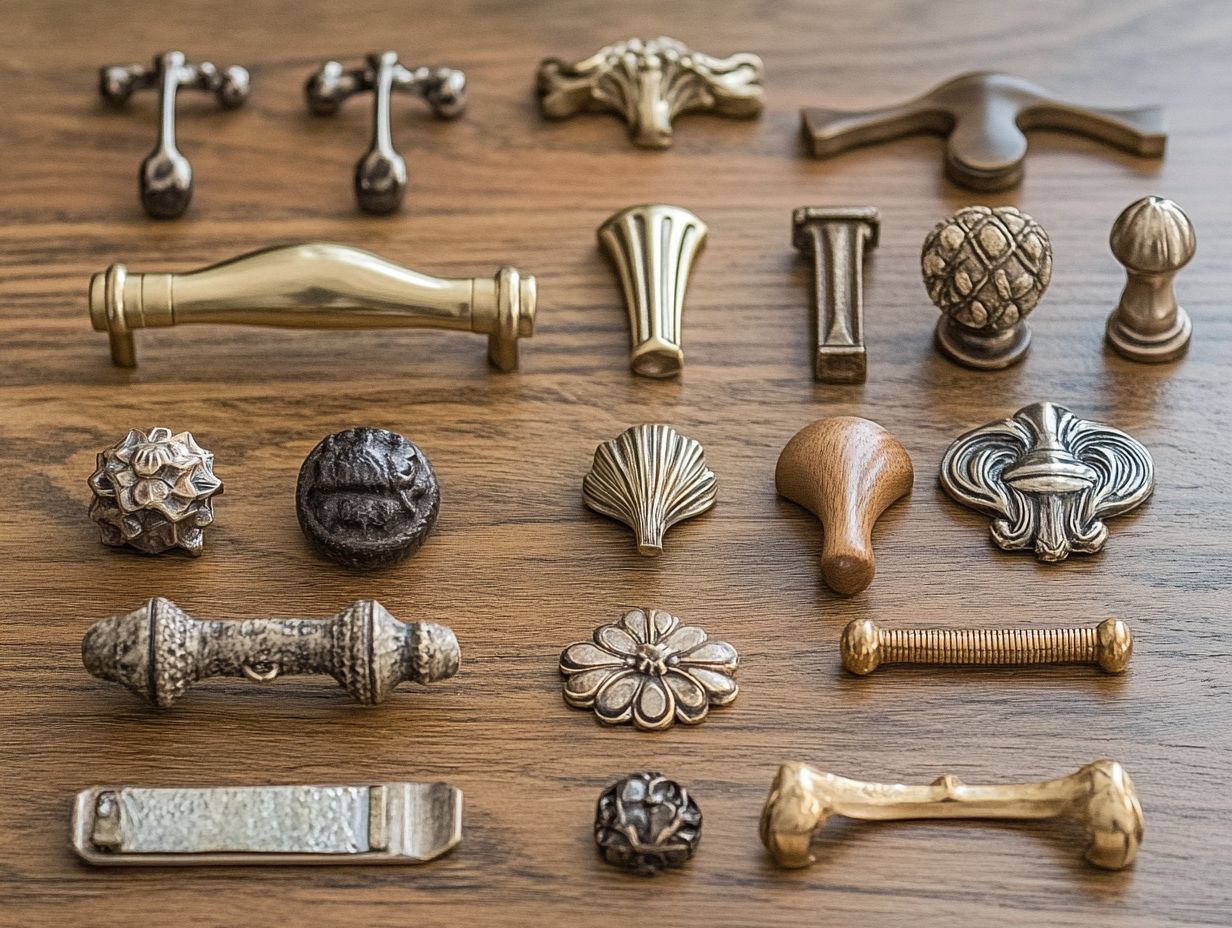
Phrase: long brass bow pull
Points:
(315, 286)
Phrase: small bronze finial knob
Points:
(986, 269)
(1153, 239)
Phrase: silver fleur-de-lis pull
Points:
(649, 82)
(1049, 478)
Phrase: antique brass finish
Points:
(865, 647)
(315, 286)
(158, 651)
(986, 269)
(1153, 239)
(165, 177)
(1048, 478)
(650, 477)
(649, 83)
(387, 823)
(983, 115)
(380, 175)
(653, 248)
(646, 823)
(846, 471)
(835, 239)
(1100, 795)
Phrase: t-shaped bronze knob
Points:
(846, 471)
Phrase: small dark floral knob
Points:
(154, 492)
(646, 823)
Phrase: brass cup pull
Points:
(1100, 795)
(315, 286)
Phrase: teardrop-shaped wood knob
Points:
(846, 471)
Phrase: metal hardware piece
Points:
(166, 177)
(315, 286)
(649, 82)
(847, 471)
(646, 823)
(653, 248)
(380, 175)
(835, 239)
(650, 670)
(158, 651)
(865, 647)
(154, 492)
(1048, 478)
(983, 115)
(386, 823)
(367, 497)
(986, 269)
(650, 477)
(1100, 795)
(1153, 239)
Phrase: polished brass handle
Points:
(315, 286)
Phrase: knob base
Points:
(1150, 349)
(984, 352)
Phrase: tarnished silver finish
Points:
(154, 492)
(1048, 478)
(646, 823)
(386, 823)
(834, 238)
(380, 175)
(986, 269)
(315, 285)
(983, 115)
(166, 177)
(650, 477)
(653, 248)
(158, 651)
(650, 670)
(649, 82)
(1153, 239)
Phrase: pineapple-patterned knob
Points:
(154, 492)
(986, 269)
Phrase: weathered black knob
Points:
(367, 497)
(647, 823)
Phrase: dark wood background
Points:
(517, 566)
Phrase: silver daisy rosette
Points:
(649, 669)
(154, 492)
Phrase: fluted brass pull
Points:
(315, 286)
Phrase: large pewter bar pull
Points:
(389, 823)
(315, 286)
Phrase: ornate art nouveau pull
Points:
(649, 83)
(653, 248)
(389, 823)
(380, 175)
(983, 115)
(158, 651)
(1049, 479)
(315, 286)
(166, 179)
(1100, 795)
(847, 471)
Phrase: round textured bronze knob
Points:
(646, 823)
(367, 497)
(986, 269)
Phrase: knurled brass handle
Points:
(315, 286)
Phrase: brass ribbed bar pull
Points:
(865, 646)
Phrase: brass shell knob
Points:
(846, 471)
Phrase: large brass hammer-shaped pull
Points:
(315, 286)
(1100, 795)
(984, 115)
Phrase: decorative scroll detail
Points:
(1049, 478)
(649, 82)
(650, 477)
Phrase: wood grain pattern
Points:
(518, 567)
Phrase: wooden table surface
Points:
(517, 566)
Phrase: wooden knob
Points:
(846, 471)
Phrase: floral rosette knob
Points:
(154, 492)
